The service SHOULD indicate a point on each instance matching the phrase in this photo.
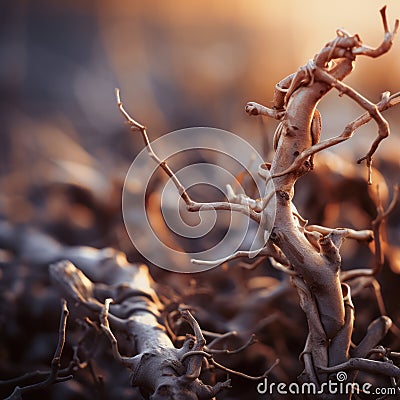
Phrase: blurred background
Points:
(65, 150)
(178, 65)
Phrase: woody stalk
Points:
(311, 254)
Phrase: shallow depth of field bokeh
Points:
(65, 149)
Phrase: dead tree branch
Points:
(124, 301)
(55, 375)
(190, 204)
(313, 252)
(156, 365)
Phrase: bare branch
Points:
(340, 345)
(317, 343)
(376, 331)
(373, 110)
(365, 278)
(364, 235)
(156, 364)
(241, 374)
(253, 108)
(362, 364)
(386, 43)
(196, 353)
(253, 265)
(287, 269)
(56, 362)
(256, 205)
(386, 102)
(268, 250)
(376, 226)
(250, 342)
(53, 375)
(105, 326)
(190, 204)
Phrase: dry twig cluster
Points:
(310, 254)
(118, 299)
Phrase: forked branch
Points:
(330, 66)
(54, 375)
(190, 204)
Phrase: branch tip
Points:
(384, 19)
(118, 96)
